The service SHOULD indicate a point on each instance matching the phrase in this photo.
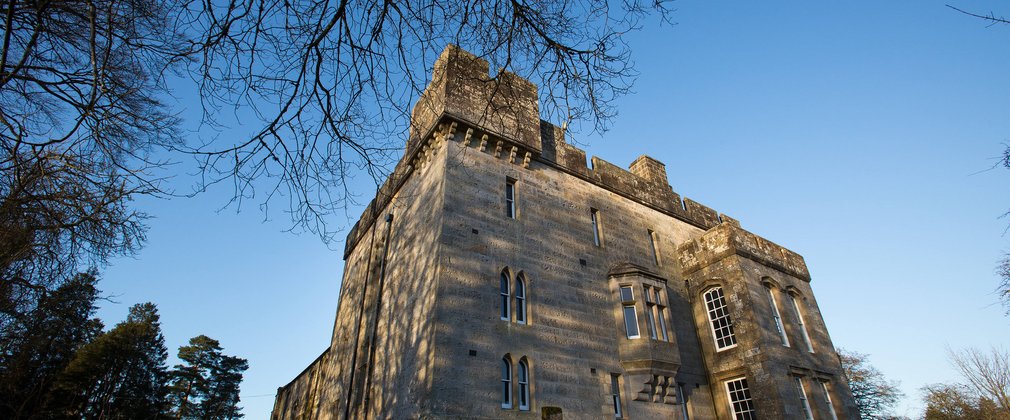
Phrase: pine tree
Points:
(119, 375)
(206, 386)
(43, 343)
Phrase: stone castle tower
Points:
(495, 275)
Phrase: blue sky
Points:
(858, 134)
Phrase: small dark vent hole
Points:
(474, 231)
(582, 262)
(473, 352)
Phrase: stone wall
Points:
(418, 332)
(748, 268)
(551, 242)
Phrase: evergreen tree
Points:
(206, 386)
(43, 343)
(119, 375)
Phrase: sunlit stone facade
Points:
(497, 275)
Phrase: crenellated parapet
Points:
(645, 181)
(729, 239)
(505, 105)
(500, 115)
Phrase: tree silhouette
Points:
(121, 374)
(42, 345)
(206, 385)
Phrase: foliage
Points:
(985, 393)
(57, 212)
(988, 374)
(958, 401)
(79, 116)
(875, 396)
(121, 374)
(206, 386)
(323, 86)
(42, 344)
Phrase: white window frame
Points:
(802, 325)
(650, 317)
(628, 307)
(615, 394)
(777, 317)
(506, 388)
(505, 290)
(597, 236)
(510, 198)
(718, 310)
(520, 294)
(741, 404)
(523, 379)
(807, 412)
(827, 400)
(660, 312)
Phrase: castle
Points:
(496, 275)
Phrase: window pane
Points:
(740, 400)
(662, 322)
(520, 300)
(510, 199)
(596, 226)
(631, 321)
(777, 318)
(506, 383)
(722, 326)
(524, 388)
(803, 327)
(504, 288)
(627, 295)
(615, 393)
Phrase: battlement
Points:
(645, 181)
(729, 239)
(461, 87)
(464, 103)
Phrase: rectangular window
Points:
(777, 318)
(595, 215)
(650, 309)
(626, 294)
(615, 394)
(740, 402)
(654, 243)
(661, 313)
(803, 327)
(807, 414)
(510, 198)
(827, 400)
(630, 315)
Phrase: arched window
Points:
(776, 317)
(718, 315)
(521, 298)
(524, 385)
(504, 286)
(506, 382)
(802, 325)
